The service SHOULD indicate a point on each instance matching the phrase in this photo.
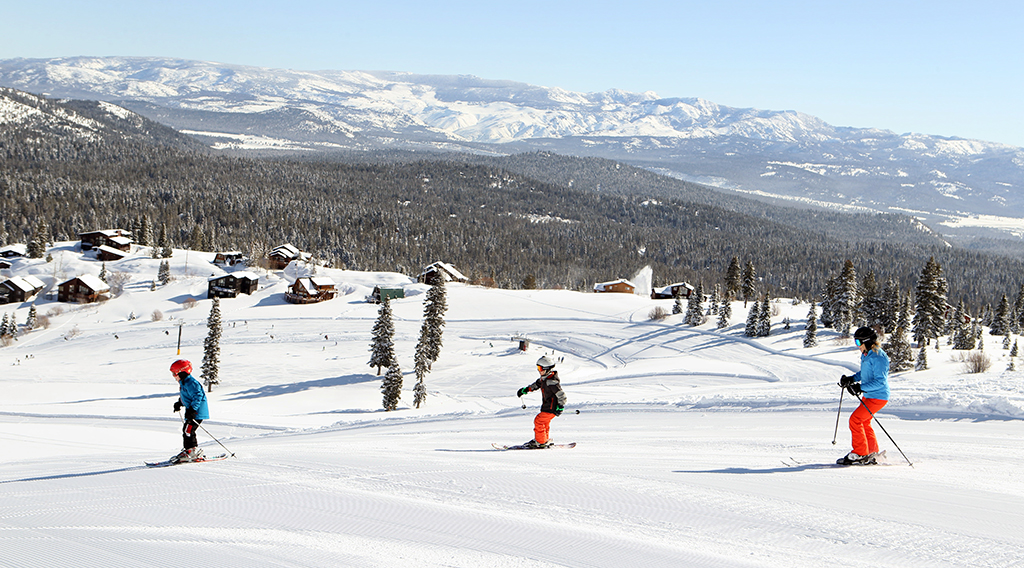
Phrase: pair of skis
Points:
(168, 462)
(525, 447)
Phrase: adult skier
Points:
(552, 402)
(193, 400)
(873, 381)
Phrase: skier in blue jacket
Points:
(193, 399)
(873, 381)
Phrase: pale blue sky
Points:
(938, 67)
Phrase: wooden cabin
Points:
(230, 258)
(230, 285)
(668, 292)
(310, 290)
(282, 256)
(119, 239)
(620, 286)
(83, 289)
(14, 251)
(443, 271)
(20, 289)
(110, 254)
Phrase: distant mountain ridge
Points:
(960, 187)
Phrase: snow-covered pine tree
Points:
(1017, 320)
(764, 317)
(30, 323)
(749, 286)
(733, 278)
(725, 312)
(929, 318)
(40, 239)
(163, 275)
(844, 310)
(828, 301)
(871, 309)
(1013, 350)
(103, 272)
(898, 346)
(694, 311)
(428, 348)
(677, 304)
(211, 346)
(890, 301)
(144, 236)
(752, 315)
(391, 386)
(922, 359)
(164, 242)
(962, 335)
(1006, 340)
(811, 331)
(1001, 318)
(382, 346)
(4, 326)
(716, 299)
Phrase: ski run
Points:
(694, 446)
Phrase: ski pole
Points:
(838, 414)
(216, 440)
(884, 430)
(521, 401)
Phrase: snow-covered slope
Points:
(695, 446)
(788, 155)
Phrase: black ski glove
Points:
(845, 381)
(522, 391)
(854, 389)
(558, 410)
(177, 405)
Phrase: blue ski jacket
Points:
(193, 397)
(873, 375)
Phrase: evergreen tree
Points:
(1017, 320)
(1001, 318)
(922, 359)
(211, 346)
(144, 236)
(733, 278)
(898, 347)
(677, 304)
(428, 348)
(844, 309)
(749, 286)
(163, 275)
(872, 307)
(1013, 350)
(890, 305)
(764, 317)
(30, 323)
(725, 312)
(752, 316)
(164, 243)
(962, 336)
(694, 311)
(811, 333)
(1006, 340)
(931, 293)
(382, 347)
(103, 272)
(5, 327)
(40, 239)
(716, 299)
(391, 386)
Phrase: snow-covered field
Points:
(695, 447)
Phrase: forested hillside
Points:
(495, 224)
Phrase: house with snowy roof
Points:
(14, 251)
(443, 271)
(119, 239)
(282, 256)
(668, 292)
(620, 286)
(233, 284)
(83, 289)
(311, 289)
(20, 289)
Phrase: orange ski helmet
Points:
(181, 365)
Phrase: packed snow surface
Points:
(696, 446)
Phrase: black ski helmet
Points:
(865, 336)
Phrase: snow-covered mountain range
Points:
(954, 184)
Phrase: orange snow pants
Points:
(864, 441)
(542, 427)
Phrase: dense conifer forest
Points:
(510, 222)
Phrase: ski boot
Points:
(856, 459)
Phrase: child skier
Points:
(552, 403)
(873, 381)
(193, 399)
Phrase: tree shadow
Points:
(781, 469)
(292, 388)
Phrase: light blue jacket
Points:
(193, 397)
(873, 375)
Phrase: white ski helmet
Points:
(546, 363)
